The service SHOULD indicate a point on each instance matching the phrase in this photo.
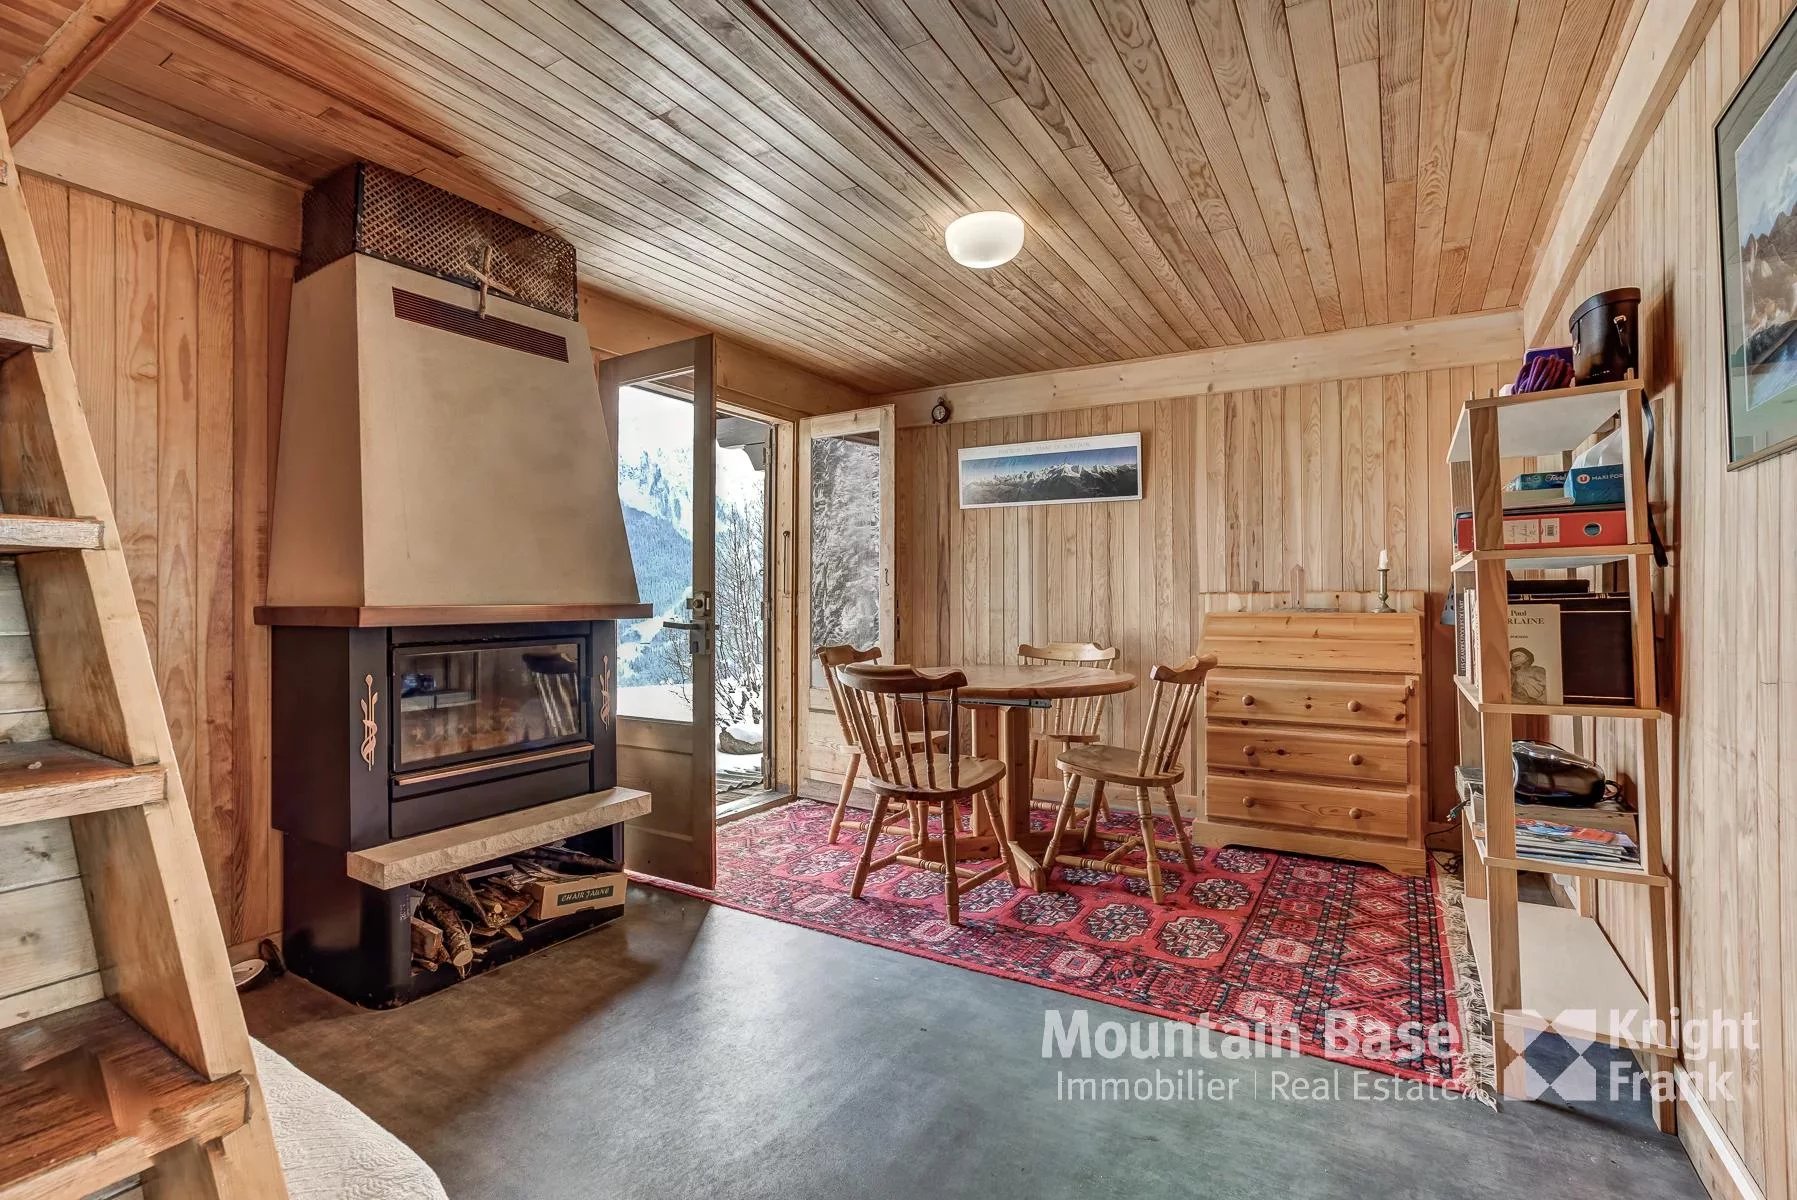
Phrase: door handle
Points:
(698, 635)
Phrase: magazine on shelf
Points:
(1575, 845)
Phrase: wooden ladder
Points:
(156, 1078)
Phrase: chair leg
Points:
(1092, 812)
(1062, 816)
(842, 801)
(989, 799)
(1179, 827)
(874, 828)
(951, 877)
(1146, 811)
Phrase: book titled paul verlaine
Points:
(1535, 669)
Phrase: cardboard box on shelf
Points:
(557, 893)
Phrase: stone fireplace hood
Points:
(434, 459)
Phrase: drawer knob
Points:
(1247, 801)
(1354, 814)
(1247, 700)
(1250, 751)
(1354, 760)
(1354, 706)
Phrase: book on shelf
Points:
(1563, 649)
(1529, 501)
(1535, 675)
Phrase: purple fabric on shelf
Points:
(1543, 372)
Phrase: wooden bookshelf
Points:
(1542, 966)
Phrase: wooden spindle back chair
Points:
(907, 725)
(1153, 765)
(832, 657)
(1077, 721)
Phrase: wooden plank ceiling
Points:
(26, 28)
(1193, 173)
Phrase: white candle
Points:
(1384, 559)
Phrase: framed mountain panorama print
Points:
(1756, 180)
(1065, 471)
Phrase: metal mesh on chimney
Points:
(367, 209)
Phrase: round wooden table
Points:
(1001, 697)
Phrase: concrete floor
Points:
(690, 1051)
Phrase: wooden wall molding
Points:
(121, 158)
(1668, 35)
(1434, 344)
(1718, 1164)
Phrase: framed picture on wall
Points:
(1065, 471)
(1756, 189)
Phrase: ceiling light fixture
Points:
(984, 239)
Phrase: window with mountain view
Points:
(845, 544)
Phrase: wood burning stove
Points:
(389, 733)
(447, 725)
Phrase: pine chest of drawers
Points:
(1314, 735)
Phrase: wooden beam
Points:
(75, 48)
(746, 375)
(1668, 34)
(96, 149)
(1349, 354)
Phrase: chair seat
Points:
(1070, 739)
(973, 775)
(1114, 764)
(936, 737)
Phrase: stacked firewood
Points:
(459, 918)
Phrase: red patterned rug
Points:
(1335, 959)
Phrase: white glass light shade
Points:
(985, 239)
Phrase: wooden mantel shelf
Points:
(412, 859)
(380, 617)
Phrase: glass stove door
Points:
(483, 700)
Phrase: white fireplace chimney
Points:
(432, 454)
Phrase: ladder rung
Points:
(27, 535)
(23, 333)
(41, 780)
(64, 1140)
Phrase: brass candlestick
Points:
(1384, 596)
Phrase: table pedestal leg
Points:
(1027, 845)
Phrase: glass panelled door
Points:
(846, 594)
(663, 413)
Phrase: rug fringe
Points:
(1478, 1054)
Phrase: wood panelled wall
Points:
(1731, 598)
(1242, 492)
(178, 335)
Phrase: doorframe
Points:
(881, 419)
